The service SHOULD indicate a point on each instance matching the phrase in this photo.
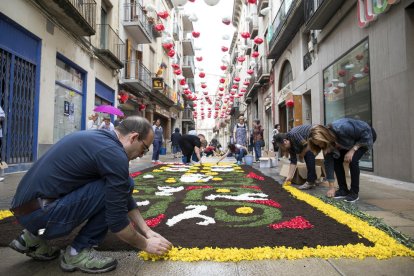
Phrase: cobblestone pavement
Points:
(391, 200)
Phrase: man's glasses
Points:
(146, 149)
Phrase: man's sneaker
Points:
(351, 197)
(34, 247)
(341, 194)
(307, 186)
(88, 260)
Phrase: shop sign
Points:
(162, 111)
(158, 83)
(368, 10)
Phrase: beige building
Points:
(60, 60)
(335, 59)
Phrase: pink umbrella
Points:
(109, 109)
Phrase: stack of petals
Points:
(295, 223)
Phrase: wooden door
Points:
(138, 60)
(128, 59)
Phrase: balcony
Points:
(176, 32)
(188, 47)
(307, 61)
(263, 70)
(137, 76)
(250, 46)
(319, 12)
(187, 25)
(77, 16)
(188, 67)
(136, 23)
(254, 26)
(285, 26)
(188, 115)
(252, 88)
(164, 96)
(110, 47)
(261, 4)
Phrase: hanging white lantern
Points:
(179, 2)
(185, 86)
(225, 37)
(211, 2)
(249, 18)
(201, 69)
(243, 47)
(252, 64)
(180, 77)
(193, 17)
(265, 11)
(150, 7)
(239, 67)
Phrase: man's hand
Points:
(158, 246)
(330, 192)
(289, 178)
(349, 155)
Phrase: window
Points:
(286, 75)
(347, 90)
(68, 100)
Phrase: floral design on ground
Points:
(295, 223)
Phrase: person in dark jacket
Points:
(344, 140)
(84, 180)
(175, 137)
(295, 142)
(191, 144)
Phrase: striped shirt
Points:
(298, 137)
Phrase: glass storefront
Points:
(347, 90)
(68, 100)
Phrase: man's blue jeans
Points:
(258, 150)
(63, 215)
(156, 149)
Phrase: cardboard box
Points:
(3, 165)
(300, 173)
(268, 153)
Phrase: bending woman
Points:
(344, 140)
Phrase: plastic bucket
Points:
(248, 159)
(163, 151)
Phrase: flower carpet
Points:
(234, 213)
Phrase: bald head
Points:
(135, 124)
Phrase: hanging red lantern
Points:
(250, 71)
(226, 20)
(194, 104)
(241, 59)
(182, 82)
(234, 86)
(195, 34)
(224, 48)
(245, 35)
(243, 90)
(159, 27)
(175, 66)
(168, 45)
(359, 56)
(163, 14)
(251, 1)
(202, 74)
(290, 103)
(205, 93)
(142, 107)
(223, 67)
(199, 58)
(222, 80)
(203, 85)
(258, 40)
(236, 79)
(342, 72)
(255, 54)
(246, 83)
(123, 98)
(171, 53)
(221, 88)
(366, 69)
(177, 71)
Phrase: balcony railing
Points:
(110, 46)
(137, 22)
(253, 26)
(188, 115)
(188, 67)
(318, 12)
(263, 70)
(137, 75)
(285, 25)
(78, 16)
(307, 61)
